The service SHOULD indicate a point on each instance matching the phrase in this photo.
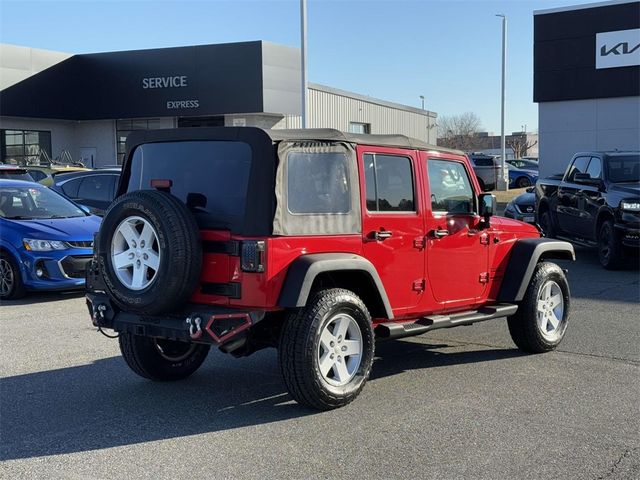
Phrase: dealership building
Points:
(586, 80)
(55, 104)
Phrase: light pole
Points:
(503, 183)
(303, 49)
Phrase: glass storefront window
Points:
(25, 147)
(125, 126)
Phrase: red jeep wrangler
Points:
(315, 242)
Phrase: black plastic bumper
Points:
(195, 323)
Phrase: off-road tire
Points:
(178, 242)
(144, 358)
(546, 225)
(298, 349)
(523, 325)
(610, 252)
(17, 289)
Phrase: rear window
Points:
(624, 168)
(210, 177)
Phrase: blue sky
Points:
(448, 51)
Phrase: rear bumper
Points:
(195, 323)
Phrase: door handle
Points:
(439, 233)
(380, 235)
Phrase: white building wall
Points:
(582, 125)
(72, 136)
(63, 135)
(18, 63)
(99, 135)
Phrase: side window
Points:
(96, 187)
(70, 188)
(318, 183)
(595, 168)
(37, 175)
(389, 183)
(579, 166)
(450, 187)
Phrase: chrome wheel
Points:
(174, 351)
(550, 311)
(135, 253)
(340, 350)
(6, 277)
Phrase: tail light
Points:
(252, 256)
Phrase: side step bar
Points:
(434, 322)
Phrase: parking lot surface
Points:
(458, 403)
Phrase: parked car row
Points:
(522, 173)
(47, 227)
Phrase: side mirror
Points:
(530, 190)
(586, 179)
(487, 205)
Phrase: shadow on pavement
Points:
(103, 404)
(43, 297)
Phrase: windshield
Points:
(15, 174)
(623, 168)
(33, 202)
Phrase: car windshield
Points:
(623, 168)
(32, 202)
(15, 174)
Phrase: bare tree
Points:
(520, 145)
(458, 131)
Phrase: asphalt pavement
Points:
(452, 404)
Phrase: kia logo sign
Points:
(618, 49)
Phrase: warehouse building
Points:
(586, 80)
(83, 106)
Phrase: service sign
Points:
(618, 49)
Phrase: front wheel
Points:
(540, 323)
(609, 247)
(161, 360)
(326, 350)
(11, 286)
(523, 182)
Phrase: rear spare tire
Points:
(149, 252)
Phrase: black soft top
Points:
(256, 135)
(261, 202)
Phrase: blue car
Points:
(45, 240)
(520, 178)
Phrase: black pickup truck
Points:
(596, 203)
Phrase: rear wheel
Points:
(540, 323)
(523, 182)
(161, 360)
(326, 350)
(11, 285)
(609, 247)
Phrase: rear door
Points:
(457, 248)
(393, 227)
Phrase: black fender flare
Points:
(525, 255)
(304, 269)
